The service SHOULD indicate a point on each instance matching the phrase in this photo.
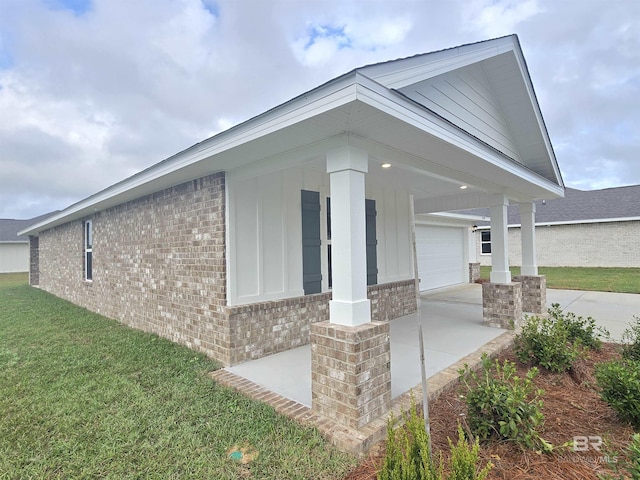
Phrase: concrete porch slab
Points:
(452, 329)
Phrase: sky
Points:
(93, 91)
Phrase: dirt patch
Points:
(572, 408)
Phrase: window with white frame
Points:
(88, 250)
(485, 242)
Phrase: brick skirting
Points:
(502, 304)
(534, 293)
(261, 329)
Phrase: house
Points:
(297, 226)
(593, 228)
(14, 248)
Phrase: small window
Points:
(88, 250)
(485, 242)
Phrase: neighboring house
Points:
(593, 228)
(14, 248)
(297, 226)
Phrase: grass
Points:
(82, 396)
(621, 280)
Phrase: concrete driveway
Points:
(613, 311)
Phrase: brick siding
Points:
(261, 329)
(159, 266)
(34, 260)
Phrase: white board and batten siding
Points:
(464, 97)
(264, 234)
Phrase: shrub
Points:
(579, 330)
(619, 383)
(545, 342)
(465, 459)
(408, 456)
(501, 404)
(631, 337)
(629, 467)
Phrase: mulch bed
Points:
(572, 407)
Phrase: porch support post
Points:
(501, 299)
(528, 238)
(347, 167)
(534, 286)
(499, 242)
(350, 354)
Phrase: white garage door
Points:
(440, 252)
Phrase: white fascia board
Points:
(573, 222)
(533, 99)
(329, 96)
(400, 107)
(447, 219)
(412, 70)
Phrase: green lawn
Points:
(82, 396)
(623, 280)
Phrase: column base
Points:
(474, 272)
(534, 293)
(502, 305)
(351, 372)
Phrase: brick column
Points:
(34, 260)
(534, 293)
(474, 272)
(351, 372)
(502, 304)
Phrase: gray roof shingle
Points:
(579, 205)
(10, 227)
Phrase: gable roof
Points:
(10, 227)
(363, 109)
(580, 206)
(486, 81)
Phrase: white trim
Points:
(572, 222)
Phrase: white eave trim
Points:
(572, 222)
(398, 106)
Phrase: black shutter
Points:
(372, 242)
(311, 264)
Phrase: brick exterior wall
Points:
(265, 328)
(158, 264)
(474, 272)
(34, 260)
(351, 372)
(608, 244)
(534, 293)
(502, 304)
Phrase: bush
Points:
(628, 468)
(579, 330)
(545, 342)
(465, 459)
(408, 456)
(501, 404)
(619, 383)
(631, 337)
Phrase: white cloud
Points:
(96, 96)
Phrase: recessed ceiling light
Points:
(462, 187)
(385, 165)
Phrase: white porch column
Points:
(528, 237)
(347, 167)
(499, 242)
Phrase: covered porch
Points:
(451, 320)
